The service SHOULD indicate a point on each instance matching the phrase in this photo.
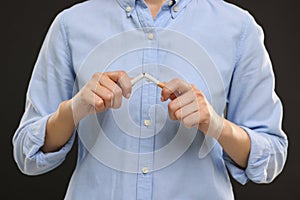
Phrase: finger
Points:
(192, 120)
(86, 102)
(180, 102)
(99, 105)
(109, 84)
(173, 96)
(176, 86)
(123, 80)
(172, 112)
(183, 112)
(185, 99)
(106, 95)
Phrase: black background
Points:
(23, 28)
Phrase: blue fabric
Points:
(233, 41)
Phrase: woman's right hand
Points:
(101, 92)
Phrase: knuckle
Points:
(118, 91)
(171, 106)
(204, 104)
(96, 76)
(99, 105)
(178, 114)
(107, 96)
(198, 93)
(193, 87)
(122, 73)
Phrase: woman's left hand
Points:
(190, 106)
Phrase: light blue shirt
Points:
(232, 41)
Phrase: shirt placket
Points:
(148, 97)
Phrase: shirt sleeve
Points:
(254, 106)
(51, 83)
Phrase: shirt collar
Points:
(126, 3)
(129, 5)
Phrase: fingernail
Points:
(162, 99)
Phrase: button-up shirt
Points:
(136, 151)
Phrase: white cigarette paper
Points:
(154, 80)
(147, 76)
(136, 79)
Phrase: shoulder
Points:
(88, 14)
(231, 17)
(88, 9)
(222, 7)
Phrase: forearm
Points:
(236, 143)
(59, 128)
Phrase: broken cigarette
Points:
(154, 80)
(136, 79)
(149, 77)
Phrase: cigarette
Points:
(154, 80)
(136, 79)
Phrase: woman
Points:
(71, 90)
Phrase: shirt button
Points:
(145, 170)
(128, 9)
(151, 36)
(175, 8)
(170, 3)
(147, 122)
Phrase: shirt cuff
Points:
(258, 160)
(37, 160)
